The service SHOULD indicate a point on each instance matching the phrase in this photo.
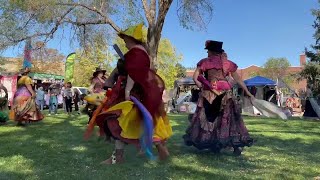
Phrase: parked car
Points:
(83, 91)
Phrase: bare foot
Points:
(140, 153)
(163, 152)
(21, 124)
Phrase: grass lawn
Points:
(54, 149)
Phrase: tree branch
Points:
(93, 9)
(153, 7)
(59, 21)
(82, 23)
(102, 9)
(147, 11)
(164, 6)
(193, 11)
(29, 20)
(52, 31)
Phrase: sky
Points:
(252, 32)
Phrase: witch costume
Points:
(217, 122)
(121, 118)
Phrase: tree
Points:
(167, 62)
(277, 68)
(47, 60)
(44, 60)
(96, 55)
(312, 68)
(181, 71)
(24, 19)
(2, 61)
(311, 72)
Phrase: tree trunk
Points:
(155, 28)
(153, 41)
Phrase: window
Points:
(83, 90)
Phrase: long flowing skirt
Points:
(123, 121)
(217, 125)
(24, 107)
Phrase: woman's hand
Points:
(250, 96)
(29, 87)
(237, 78)
(101, 79)
(199, 84)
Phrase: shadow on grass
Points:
(54, 149)
(52, 145)
(292, 149)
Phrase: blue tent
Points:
(259, 81)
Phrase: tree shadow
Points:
(306, 153)
(50, 145)
(55, 149)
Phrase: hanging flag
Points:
(27, 55)
(69, 68)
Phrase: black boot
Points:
(237, 151)
(216, 148)
(21, 124)
(187, 140)
(216, 151)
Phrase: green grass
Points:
(54, 149)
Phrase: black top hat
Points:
(215, 46)
(98, 70)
